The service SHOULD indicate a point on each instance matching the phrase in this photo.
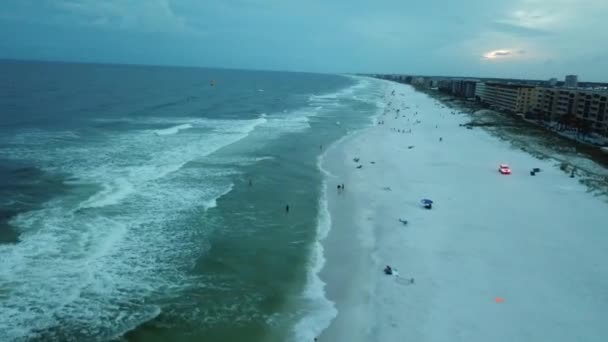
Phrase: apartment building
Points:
(515, 98)
(458, 87)
(571, 81)
(586, 105)
(463, 88)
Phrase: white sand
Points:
(540, 243)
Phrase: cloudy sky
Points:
(494, 38)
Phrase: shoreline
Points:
(323, 309)
(495, 244)
(332, 274)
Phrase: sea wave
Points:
(320, 310)
(113, 192)
(294, 121)
(81, 262)
(172, 130)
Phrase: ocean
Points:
(143, 203)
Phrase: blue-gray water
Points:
(148, 203)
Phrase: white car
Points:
(504, 169)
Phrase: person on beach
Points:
(342, 186)
(339, 188)
(388, 270)
(287, 208)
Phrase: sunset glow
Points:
(497, 54)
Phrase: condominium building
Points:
(516, 98)
(480, 91)
(458, 87)
(571, 81)
(586, 105)
(418, 81)
(463, 88)
(553, 82)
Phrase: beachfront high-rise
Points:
(578, 107)
(553, 82)
(515, 98)
(571, 81)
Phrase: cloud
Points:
(497, 54)
(519, 30)
(147, 16)
(515, 36)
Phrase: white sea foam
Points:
(172, 130)
(112, 193)
(247, 126)
(359, 91)
(126, 180)
(294, 121)
(75, 269)
(259, 159)
(212, 203)
(327, 97)
(320, 310)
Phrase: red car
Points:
(504, 169)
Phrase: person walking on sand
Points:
(342, 186)
(287, 208)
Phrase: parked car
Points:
(504, 169)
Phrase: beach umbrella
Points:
(426, 201)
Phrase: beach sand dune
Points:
(498, 258)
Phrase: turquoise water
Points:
(144, 204)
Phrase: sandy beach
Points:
(498, 258)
